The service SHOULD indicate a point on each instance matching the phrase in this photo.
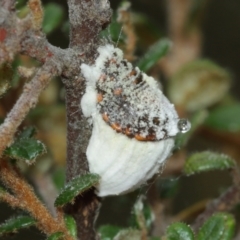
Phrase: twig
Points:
(11, 200)
(186, 44)
(25, 36)
(229, 199)
(224, 203)
(7, 42)
(37, 13)
(191, 211)
(29, 202)
(177, 17)
(87, 19)
(27, 100)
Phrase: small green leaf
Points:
(179, 231)
(14, 224)
(56, 236)
(225, 118)
(107, 232)
(156, 51)
(75, 187)
(220, 226)
(71, 225)
(206, 161)
(196, 120)
(53, 16)
(26, 149)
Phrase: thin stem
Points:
(177, 17)
(229, 199)
(26, 101)
(186, 44)
(11, 200)
(87, 19)
(29, 202)
(37, 13)
(225, 202)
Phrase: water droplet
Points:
(184, 125)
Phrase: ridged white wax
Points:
(123, 163)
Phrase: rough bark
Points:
(87, 19)
(25, 36)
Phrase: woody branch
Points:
(25, 36)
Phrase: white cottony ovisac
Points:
(134, 124)
(123, 163)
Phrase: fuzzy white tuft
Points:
(88, 103)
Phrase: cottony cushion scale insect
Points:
(134, 124)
